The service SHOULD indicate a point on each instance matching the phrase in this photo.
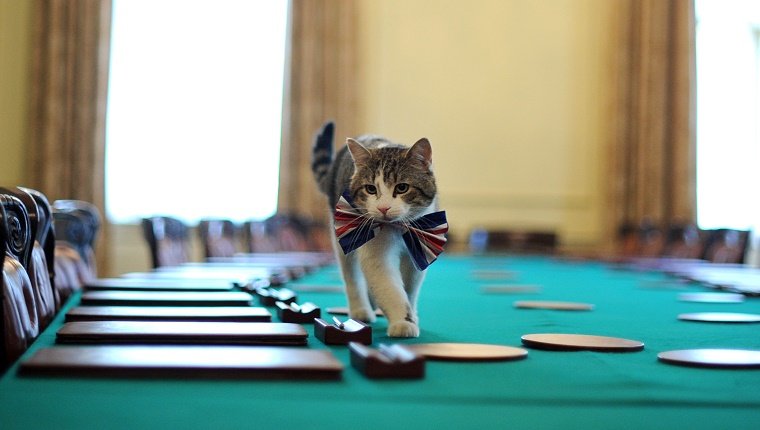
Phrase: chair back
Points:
(684, 240)
(39, 263)
(511, 241)
(256, 237)
(728, 246)
(19, 322)
(652, 240)
(319, 237)
(46, 234)
(218, 237)
(90, 220)
(76, 225)
(168, 240)
(288, 232)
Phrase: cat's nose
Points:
(383, 209)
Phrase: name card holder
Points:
(299, 314)
(341, 333)
(270, 296)
(387, 361)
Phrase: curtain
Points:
(320, 85)
(653, 156)
(68, 102)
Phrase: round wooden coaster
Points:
(720, 317)
(577, 342)
(727, 358)
(711, 297)
(467, 351)
(560, 306)
(343, 310)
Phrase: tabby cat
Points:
(388, 187)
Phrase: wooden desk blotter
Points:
(165, 298)
(175, 332)
(239, 280)
(140, 284)
(260, 362)
(169, 313)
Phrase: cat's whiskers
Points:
(365, 222)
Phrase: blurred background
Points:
(569, 116)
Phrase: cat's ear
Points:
(421, 152)
(359, 153)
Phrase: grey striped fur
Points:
(334, 174)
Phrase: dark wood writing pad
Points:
(169, 313)
(260, 362)
(182, 332)
(166, 298)
(139, 284)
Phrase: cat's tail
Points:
(322, 156)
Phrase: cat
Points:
(388, 185)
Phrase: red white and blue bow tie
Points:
(424, 237)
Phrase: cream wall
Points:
(15, 37)
(514, 97)
(513, 94)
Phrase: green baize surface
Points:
(548, 389)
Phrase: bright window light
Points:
(194, 109)
(728, 113)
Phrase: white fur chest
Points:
(385, 249)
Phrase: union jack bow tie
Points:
(424, 237)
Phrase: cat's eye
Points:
(401, 188)
(370, 189)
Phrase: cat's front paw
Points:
(362, 314)
(403, 329)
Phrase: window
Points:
(194, 109)
(728, 113)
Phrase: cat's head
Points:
(393, 182)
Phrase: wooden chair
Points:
(278, 233)
(318, 236)
(218, 237)
(40, 259)
(74, 262)
(651, 240)
(256, 237)
(513, 241)
(19, 322)
(47, 236)
(288, 232)
(726, 246)
(168, 240)
(684, 241)
(627, 242)
(89, 215)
